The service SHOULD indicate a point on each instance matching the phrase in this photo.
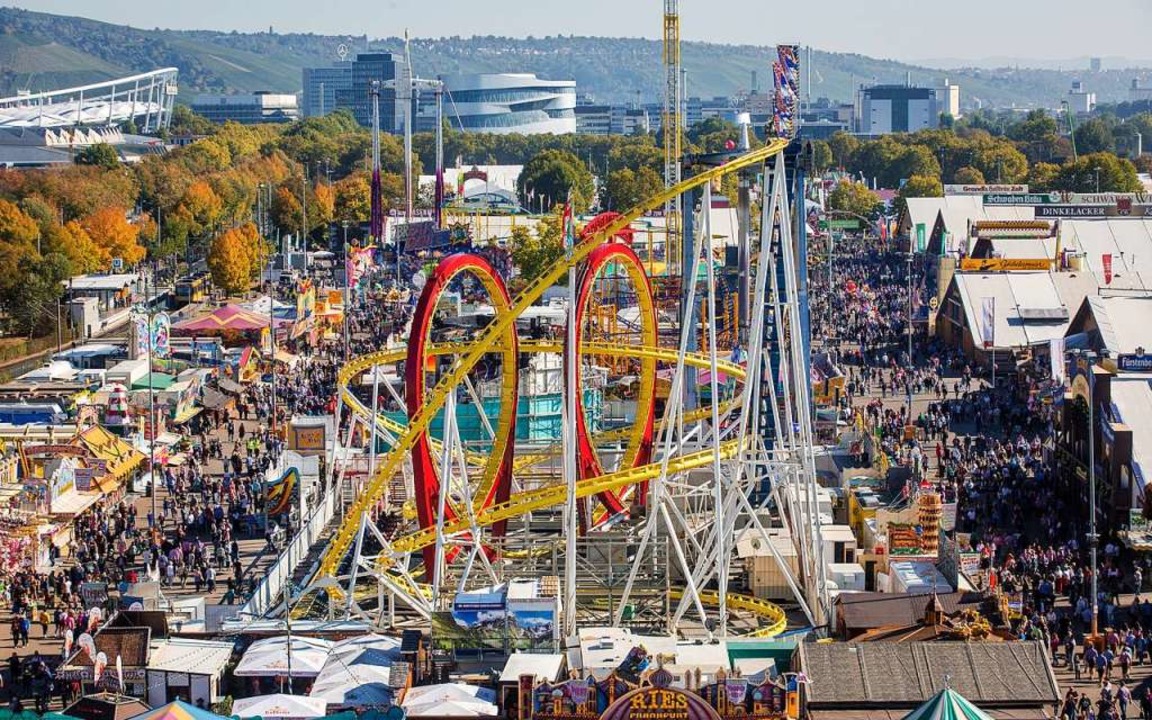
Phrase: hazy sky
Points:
(902, 29)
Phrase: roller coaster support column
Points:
(799, 159)
(744, 225)
(572, 396)
(689, 314)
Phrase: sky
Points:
(906, 30)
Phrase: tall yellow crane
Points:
(673, 124)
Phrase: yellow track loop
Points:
(342, 540)
(777, 620)
(554, 495)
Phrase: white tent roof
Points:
(270, 657)
(359, 672)
(1132, 397)
(1127, 240)
(206, 657)
(1123, 322)
(450, 700)
(1014, 292)
(545, 666)
(279, 706)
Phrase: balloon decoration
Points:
(88, 644)
(98, 667)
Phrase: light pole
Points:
(1097, 180)
(908, 380)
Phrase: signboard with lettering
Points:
(652, 703)
(1071, 211)
(1131, 362)
(1005, 264)
(984, 189)
(1021, 198)
(1123, 209)
(844, 224)
(419, 236)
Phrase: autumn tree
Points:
(968, 175)
(353, 201)
(230, 260)
(110, 230)
(917, 186)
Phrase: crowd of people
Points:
(988, 446)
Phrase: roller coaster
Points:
(679, 487)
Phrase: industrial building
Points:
(259, 107)
(887, 109)
(511, 103)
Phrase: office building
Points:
(348, 86)
(629, 121)
(594, 119)
(1080, 101)
(511, 103)
(260, 107)
(321, 86)
(896, 108)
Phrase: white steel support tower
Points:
(673, 125)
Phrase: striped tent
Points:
(178, 710)
(947, 705)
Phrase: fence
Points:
(296, 552)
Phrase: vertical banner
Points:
(786, 78)
(376, 211)
(989, 322)
(161, 331)
(1056, 359)
(142, 334)
(921, 237)
(1106, 260)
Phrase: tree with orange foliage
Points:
(231, 259)
(109, 229)
(73, 242)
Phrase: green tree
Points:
(185, 122)
(533, 252)
(853, 197)
(844, 148)
(821, 155)
(1094, 136)
(101, 155)
(1042, 176)
(1099, 171)
(624, 189)
(554, 174)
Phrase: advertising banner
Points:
(1011, 188)
(282, 492)
(1106, 261)
(161, 331)
(921, 237)
(1005, 264)
(495, 624)
(1134, 362)
(903, 539)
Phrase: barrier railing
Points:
(296, 552)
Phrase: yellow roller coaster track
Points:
(470, 354)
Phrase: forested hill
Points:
(40, 51)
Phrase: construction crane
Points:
(673, 124)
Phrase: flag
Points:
(1106, 259)
(989, 322)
